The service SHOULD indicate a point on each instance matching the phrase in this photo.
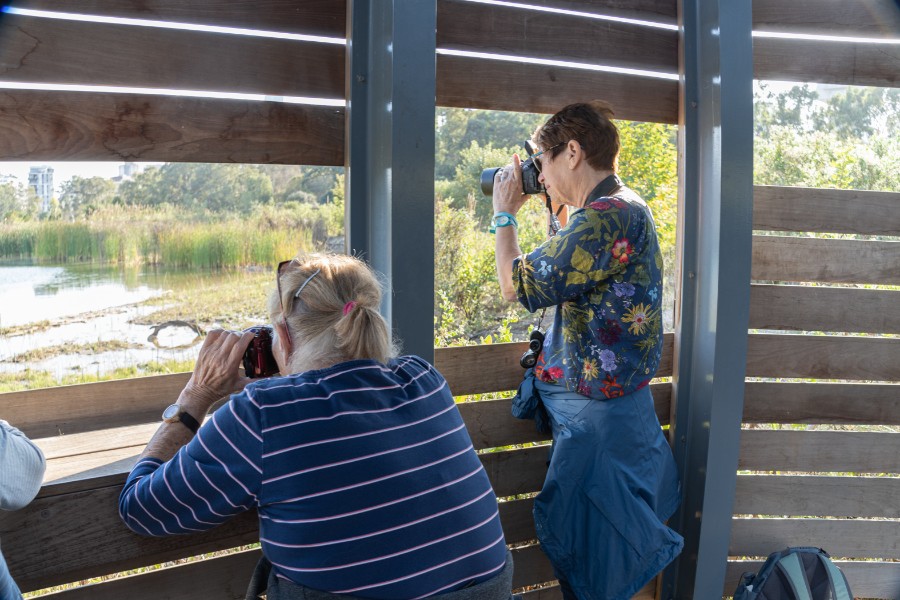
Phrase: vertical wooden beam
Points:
(712, 307)
(390, 157)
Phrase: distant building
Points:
(40, 179)
(127, 171)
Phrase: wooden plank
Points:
(473, 83)
(657, 11)
(779, 208)
(513, 31)
(814, 61)
(82, 444)
(823, 357)
(843, 538)
(531, 567)
(777, 258)
(829, 403)
(490, 423)
(517, 518)
(219, 578)
(863, 18)
(42, 542)
(818, 308)
(495, 367)
(809, 495)
(820, 451)
(72, 52)
(868, 579)
(73, 409)
(312, 17)
(36, 126)
(515, 472)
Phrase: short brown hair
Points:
(336, 317)
(588, 123)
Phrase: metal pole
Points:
(712, 308)
(389, 157)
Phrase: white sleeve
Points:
(21, 468)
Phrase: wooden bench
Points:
(92, 435)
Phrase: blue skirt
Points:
(611, 484)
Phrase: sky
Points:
(63, 171)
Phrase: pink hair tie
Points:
(348, 307)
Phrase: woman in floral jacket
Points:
(612, 481)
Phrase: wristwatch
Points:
(502, 219)
(174, 413)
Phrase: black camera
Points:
(530, 174)
(258, 359)
(535, 345)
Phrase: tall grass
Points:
(165, 241)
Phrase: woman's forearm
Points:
(507, 249)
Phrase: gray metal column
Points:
(712, 310)
(389, 157)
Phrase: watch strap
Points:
(189, 421)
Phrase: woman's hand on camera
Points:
(216, 373)
(508, 196)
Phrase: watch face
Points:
(171, 411)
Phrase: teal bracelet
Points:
(502, 219)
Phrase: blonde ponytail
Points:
(335, 317)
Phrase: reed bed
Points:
(173, 244)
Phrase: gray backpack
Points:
(798, 573)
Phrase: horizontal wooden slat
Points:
(863, 18)
(219, 578)
(808, 495)
(778, 258)
(76, 536)
(823, 357)
(820, 451)
(814, 61)
(516, 471)
(818, 308)
(779, 208)
(844, 538)
(72, 52)
(511, 30)
(867, 579)
(312, 17)
(495, 367)
(473, 83)
(74, 409)
(36, 126)
(531, 567)
(517, 518)
(491, 424)
(658, 11)
(829, 403)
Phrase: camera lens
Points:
(487, 180)
(528, 360)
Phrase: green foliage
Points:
(81, 197)
(457, 128)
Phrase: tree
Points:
(10, 202)
(81, 196)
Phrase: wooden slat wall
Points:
(311, 17)
(127, 127)
(811, 60)
(51, 526)
(73, 52)
(862, 18)
(823, 488)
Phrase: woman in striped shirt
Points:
(358, 462)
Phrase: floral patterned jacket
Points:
(603, 271)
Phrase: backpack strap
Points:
(790, 566)
(839, 588)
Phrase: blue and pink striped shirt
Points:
(363, 474)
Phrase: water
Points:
(88, 304)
